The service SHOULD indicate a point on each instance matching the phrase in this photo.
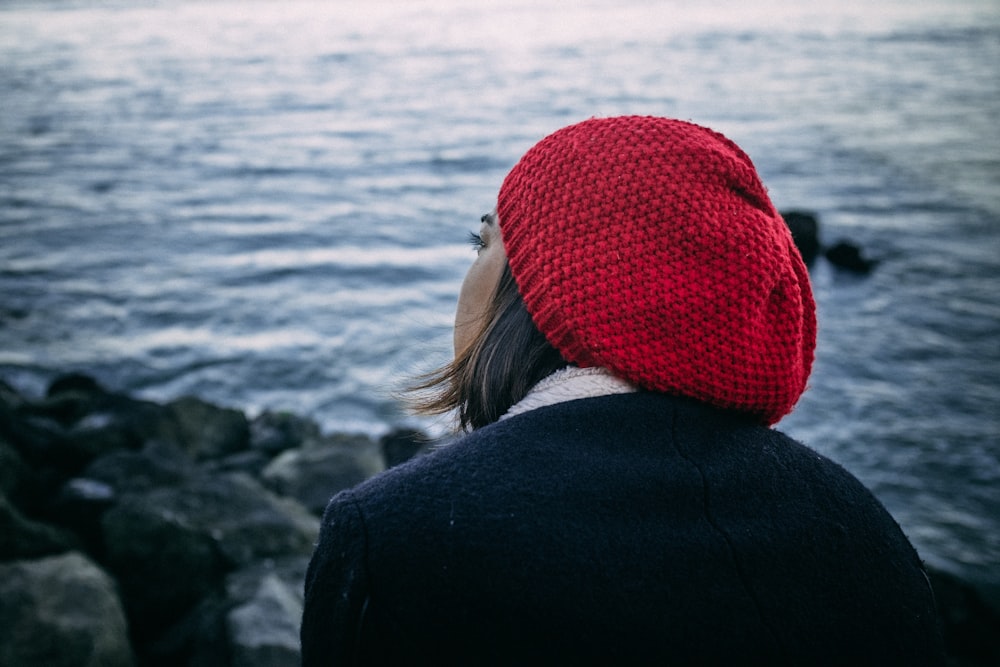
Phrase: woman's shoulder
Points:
(637, 435)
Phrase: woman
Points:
(635, 321)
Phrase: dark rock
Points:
(250, 462)
(43, 442)
(80, 503)
(13, 470)
(274, 432)
(805, 233)
(61, 611)
(71, 397)
(199, 639)
(22, 537)
(208, 431)
(263, 623)
(79, 506)
(848, 256)
(73, 383)
(162, 565)
(971, 627)
(171, 546)
(78, 421)
(312, 475)
(10, 398)
(253, 617)
(264, 630)
(156, 465)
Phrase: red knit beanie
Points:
(649, 246)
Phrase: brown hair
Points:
(507, 358)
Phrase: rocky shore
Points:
(140, 533)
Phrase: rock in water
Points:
(313, 474)
(847, 255)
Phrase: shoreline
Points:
(193, 524)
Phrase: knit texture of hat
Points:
(648, 246)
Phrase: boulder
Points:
(72, 397)
(61, 611)
(199, 639)
(10, 398)
(848, 256)
(22, 537)
(80, 503)
(78, 507)
(274, 432)
(252, 619)
(171, 546)
(13, 470)
(263, 624)
(208, 431)
(312, 475)
(158, 464)
(251, 462)
(76, 422)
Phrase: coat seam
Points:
(725, 537)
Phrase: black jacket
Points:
(627, 529)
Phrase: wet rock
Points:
(199, 639)
(10, 398)
(250, 462)
(61, 611)
(805, 232)
(76, 422)
(252, 619)
(170, 546)
(263, 623)
(13, 470)
(73, 396)
(162, 565)
(274, 432)
(208, 431)
(157, 464)
(804, 226)
(44, 442)
(848, 256)
(81, 502)
(78, 507)
(312, 475)
(22, 537)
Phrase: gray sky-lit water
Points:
(265, 203)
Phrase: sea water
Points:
(265, 203)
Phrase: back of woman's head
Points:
(649, 247)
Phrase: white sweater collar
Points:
(569, 384)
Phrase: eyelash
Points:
(476, 241)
